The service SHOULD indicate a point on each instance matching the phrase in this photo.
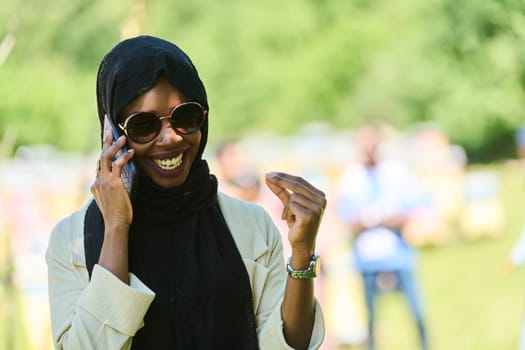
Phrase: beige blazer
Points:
(105, 313)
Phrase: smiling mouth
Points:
(169, 163)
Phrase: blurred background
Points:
(290, 82)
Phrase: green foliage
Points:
(278, 64)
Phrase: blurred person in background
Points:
(177, 264)
(236, 174)
(238, 177)
(520, 142)
(517, 254)
(376, 196)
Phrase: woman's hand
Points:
(108, 189)
(303, 209)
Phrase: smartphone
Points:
(129, 170)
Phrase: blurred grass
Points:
(12, 333)
(472, 302)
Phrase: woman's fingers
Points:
(300, 199)
(281, 193)
(306, 205)
(303, 208)
(283, 184)
(112, 159)
(120, 161)
(107, 142)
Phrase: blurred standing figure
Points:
(239, 177)
(376, 196)
(520, 142)
(236, 174)
(517, 254)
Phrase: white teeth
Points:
(169, 164)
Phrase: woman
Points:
(177, 265)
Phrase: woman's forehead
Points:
(161, 98)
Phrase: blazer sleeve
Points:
(270, 329)
(101, 313)
(259, 242)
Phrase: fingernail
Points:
(272, 175)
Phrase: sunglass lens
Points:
(187, 118)
(143, 127)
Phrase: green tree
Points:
(278, 64)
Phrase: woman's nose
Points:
(167, 133)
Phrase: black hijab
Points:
(180, 245)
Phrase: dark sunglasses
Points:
(144, 127)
